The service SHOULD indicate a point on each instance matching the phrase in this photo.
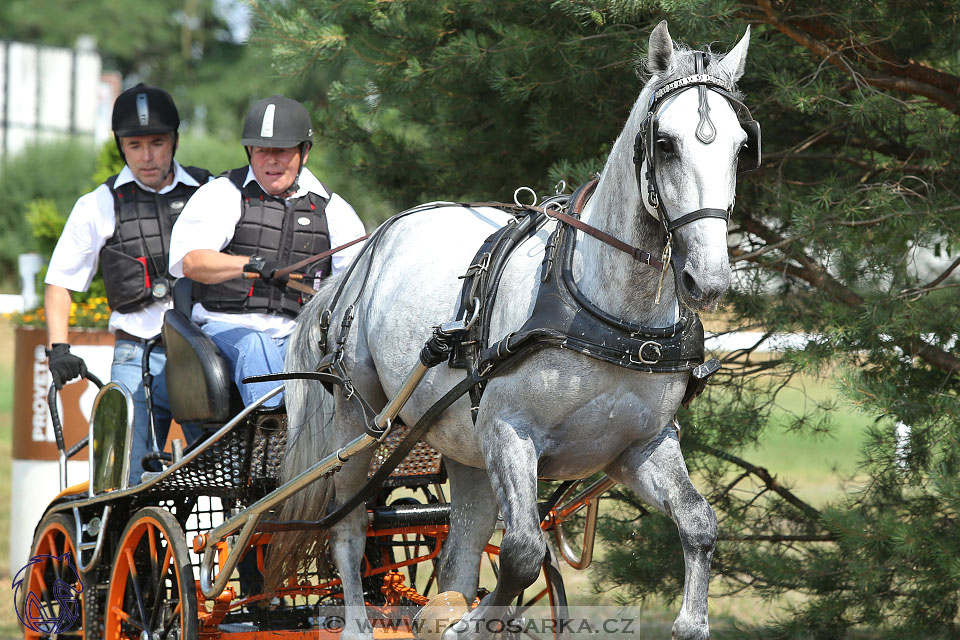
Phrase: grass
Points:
(816, 469)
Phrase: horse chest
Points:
(579, 420)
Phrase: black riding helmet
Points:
(142, 111)
(278, 122)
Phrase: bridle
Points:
(644, 145)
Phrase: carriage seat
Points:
(199, 384)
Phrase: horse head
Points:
(694, 138)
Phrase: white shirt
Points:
(210, 219)
(77, 255)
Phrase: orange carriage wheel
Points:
(49, 599)
(152, 593)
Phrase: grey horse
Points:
(557, 414)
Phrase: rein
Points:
(318, 257)
(579, 201)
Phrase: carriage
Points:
(578, 350)
(134, 569)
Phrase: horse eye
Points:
(665, 145)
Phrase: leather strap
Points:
(637, 254)
(579, 199)
(696, 215)
(319, 256)
(123, 335)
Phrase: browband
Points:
(686, 81)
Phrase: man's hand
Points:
(64, 366)
(266, 270)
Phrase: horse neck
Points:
(611, 279)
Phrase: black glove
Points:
(265, 269)
(64, 366)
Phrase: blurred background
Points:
(827, 444)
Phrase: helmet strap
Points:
(116, 139)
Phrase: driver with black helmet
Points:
(258, 219)
(123, 226)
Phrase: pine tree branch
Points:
(768, 480)
(943, 276)
(839, 157)
(888, 73)
(806, 269)
(739, 255)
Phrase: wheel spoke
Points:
(161, 592)
(152, 536)
(39, 598)
(123, 615)
(151, 554)
(175, 615)
(135, 579)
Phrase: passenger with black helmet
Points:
(259, 219)
(123, 227)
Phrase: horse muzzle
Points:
(701, 275)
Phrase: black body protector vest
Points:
(286, 230)
(134, 259)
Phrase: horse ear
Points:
(735, 61)
(660, 50)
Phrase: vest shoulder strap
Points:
(236, 176)
(325, 188)
(198, 174)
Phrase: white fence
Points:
(52, 92)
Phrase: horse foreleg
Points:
(658, 474)
(473, 515)
(512, 468)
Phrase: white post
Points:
(29, 265)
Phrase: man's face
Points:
(150, 158)
(275, 169)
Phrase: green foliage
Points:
(55, 172)
(465, 80)
(46, 223)
(214, 153)
(109, 163)
(464, 99)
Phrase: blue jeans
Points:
(250, 353)
(127, 370)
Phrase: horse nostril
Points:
(690, 285)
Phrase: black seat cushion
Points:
(199, 384)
